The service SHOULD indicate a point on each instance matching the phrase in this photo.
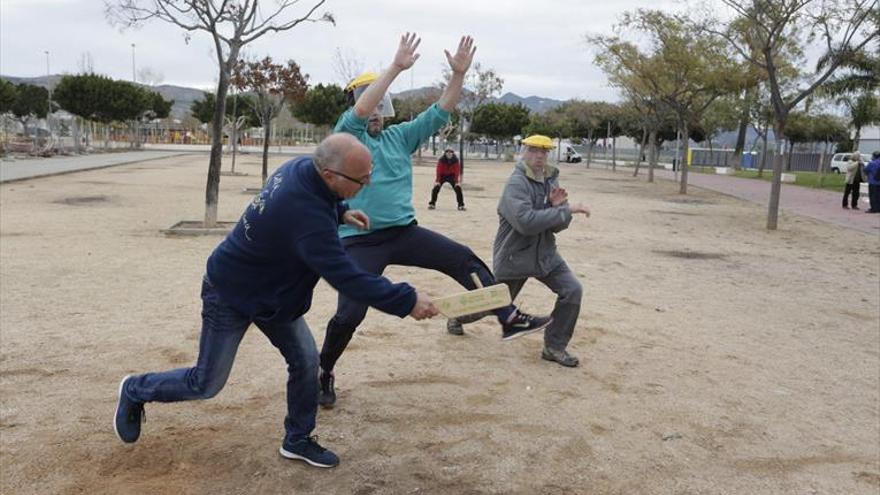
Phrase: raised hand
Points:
(558, 196)
(357, 219)
(580, 208)
(406, 54)
(461, 61)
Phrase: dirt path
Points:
(717, 357)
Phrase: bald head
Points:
(340, 150)
(344, 163)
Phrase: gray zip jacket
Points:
(525, 245)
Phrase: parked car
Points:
(568, 154)
(840, 160)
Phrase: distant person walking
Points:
(448, 170)
(872, 173)
(854, 173)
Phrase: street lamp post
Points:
(465, 127)
(48, 81)
(49, 89)
(135, 127)
(133, 73)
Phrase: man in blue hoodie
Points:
(872, 171)
(394, 237)
(264, 273)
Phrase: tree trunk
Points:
(614, 154)
(683, 188)
(711, 153)
(741, 134)
(776, 185)
(76, 136)
(652, 161)
(857, 138)
(820, 181)
(212, 186)
(641, 151)
(233, 135)
(763, 155)
(461, 152)
(266, 128)
(590, 144)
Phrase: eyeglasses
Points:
(361, 182)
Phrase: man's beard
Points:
(374, 128)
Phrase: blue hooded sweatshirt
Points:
(287, 239)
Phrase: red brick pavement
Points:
(819, 204)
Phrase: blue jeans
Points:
(222, 331)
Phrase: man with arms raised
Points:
(394, 237)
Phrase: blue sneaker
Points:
(307, 449)
(129, 416)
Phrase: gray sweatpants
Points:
(563, 282)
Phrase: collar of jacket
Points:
(315, 176)
(549, 171)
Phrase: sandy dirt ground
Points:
(716, 357)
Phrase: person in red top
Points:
(448, 170)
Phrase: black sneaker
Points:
(431, 206)
(308, 449)
(461, 208)
(129, 416)
(562, 357)
(523, 324)
(453, 326)
(327, 393)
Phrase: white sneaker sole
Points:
(118, 402)
(297, 457)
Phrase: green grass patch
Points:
(832, 181)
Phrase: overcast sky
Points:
(536, 46)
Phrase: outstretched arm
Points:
(459, 63)
(405, 57)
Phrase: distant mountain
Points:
(427, 91)
(183, 97)
(533, 103)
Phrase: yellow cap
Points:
(365, 78)
(539, 141)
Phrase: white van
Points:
(568, 154)
(840, 160)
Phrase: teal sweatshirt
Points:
(387, 200)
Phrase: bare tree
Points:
(273, 84)
(85, 63)
(347, 65)
(480, 85)
(760, 30)
(685, 69)
(232, 25)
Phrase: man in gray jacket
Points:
(532, 209)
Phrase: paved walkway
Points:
(814, 203)
(38, 167)
(820, 204)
